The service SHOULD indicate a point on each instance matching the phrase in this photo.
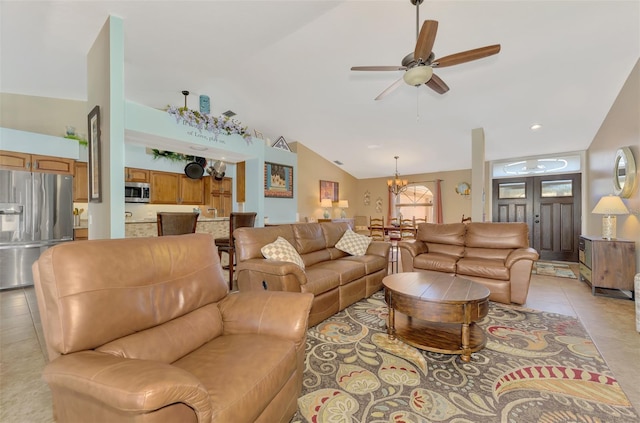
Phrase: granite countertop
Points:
(154, 220)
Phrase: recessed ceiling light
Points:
(535, 126)
(374, 146)
(198, 148)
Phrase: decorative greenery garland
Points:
(208, 122)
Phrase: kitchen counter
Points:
(217, 226)
(154, 220)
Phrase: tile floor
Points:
(25, 398)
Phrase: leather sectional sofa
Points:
(144, 330)
(497, 255)
(335, 278)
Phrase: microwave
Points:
(137, 192)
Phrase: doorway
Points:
(551, 207)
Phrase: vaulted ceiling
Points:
(284, 68)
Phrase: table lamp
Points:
(343, 204)
(326, 203)
(609, 206)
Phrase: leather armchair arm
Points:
(379, 248)
(131, 386)
(521, 254)
(273, 268)
(275, 313)
(413, 248)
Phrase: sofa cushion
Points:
(485, 268)
(333, 232)
(348, 271)
(281, 250)
(170, 341)
(372, 263)
(320, 280)
(497, 235)
(353, 243)
(442, 233)
(309, 237)
(436, 261)
(240, 391)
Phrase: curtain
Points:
(438, 201)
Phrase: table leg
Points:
(391, 321)
(466, 351)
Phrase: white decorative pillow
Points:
(282, 250)
(353, 243)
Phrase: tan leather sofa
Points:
(496, 255)
(335, 278)
(144, 330)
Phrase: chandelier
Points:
(397, 185)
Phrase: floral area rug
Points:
(536, 367)
(553, 268)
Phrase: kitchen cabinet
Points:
(165, 187)
(136, 175)
(36, 163)
(191, 191)
(81, 234)
(175, 188)
(220, 196)
(607, 264)
(240, 182)
(80, 183)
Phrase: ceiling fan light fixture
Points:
(418, 75)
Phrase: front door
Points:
(551, 207)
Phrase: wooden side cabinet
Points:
(81, 183)
(607, 264)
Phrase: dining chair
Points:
(376, 228)
(227, 244)
(407, 229)
(466, 219)
(176, 223)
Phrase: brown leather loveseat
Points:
(335, 278)
(144, 330)
(497, 255)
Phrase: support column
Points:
(477, 175)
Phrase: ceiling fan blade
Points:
(466, 56)
(427, 37)
(378, 68)
(389, 89)
(437, 84)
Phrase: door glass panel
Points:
(512, 190)
(560, 188)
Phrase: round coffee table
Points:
(436, 312)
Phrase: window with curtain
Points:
(416, 201)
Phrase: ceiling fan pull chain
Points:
(417, 106)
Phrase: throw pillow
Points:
(282, 250)
(353, 243)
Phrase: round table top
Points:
(436, 287)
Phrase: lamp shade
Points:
(343, 204)
(326, 202)
(610, 204)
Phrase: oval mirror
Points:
(624, 173)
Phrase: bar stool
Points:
(227, 244)
(176, 223)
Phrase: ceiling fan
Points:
(418, 66)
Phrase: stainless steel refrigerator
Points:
(36, 212)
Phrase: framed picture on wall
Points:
(329, 189)
(278, 180)
(95, 185)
